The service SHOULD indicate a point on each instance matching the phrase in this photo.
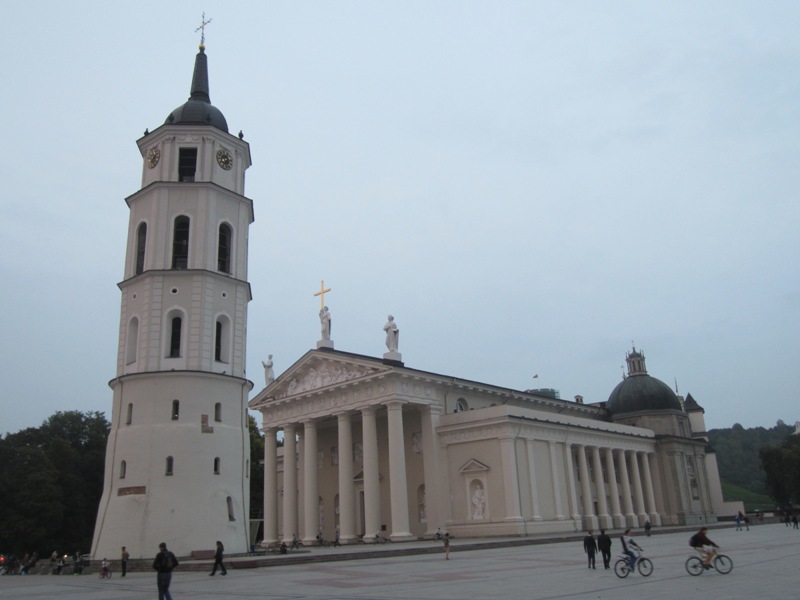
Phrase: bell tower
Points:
(177, 462)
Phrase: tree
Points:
(782, 467)
(256, 470)
(51, 481)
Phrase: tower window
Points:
(180, 243)
(133, 341)
(187, 164)
(176, 409)
(229, 502)
(218, 412)
(129, 417)
(216, 466)
(169, 466)
(221, 339)
(123, 469)
(218, 342)
(141, 244)
(224, 248)
(175, 338)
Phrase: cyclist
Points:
(630, 547)
(104, 568)
(700, 542)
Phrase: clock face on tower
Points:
(224, 159)
(153, 156)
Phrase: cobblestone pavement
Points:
(766, 566)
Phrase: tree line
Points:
(51, 482)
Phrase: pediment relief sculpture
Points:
(473, 466)
(322, 375)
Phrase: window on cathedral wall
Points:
(225, 239)
(180, 242)
(176, 409)
(176, 327)
(187, 164)
(141, 244)
(132, 341)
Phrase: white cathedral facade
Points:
(372, 447)
(177, 461)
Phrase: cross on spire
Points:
(321, 293)
(202, 30)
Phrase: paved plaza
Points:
(766, 559)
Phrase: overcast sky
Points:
(528, 187)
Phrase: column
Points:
(289, 483)
(347, 502)
(508, 456)
(637, 488)
(627, 503)
(603, 518)
(270, 485)
(529, 445)
(572, 493)
(310, 482)
(649, 495)
(429, 417)
(658, 499)
(398, 483)
(555, 471)
(372, 491)
(589, 518)
(616, 515)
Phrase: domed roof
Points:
(198, 110)
(639, 392)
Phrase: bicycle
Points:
(623, 568)
(105, 573)
(722, 563)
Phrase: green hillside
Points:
(752, 501)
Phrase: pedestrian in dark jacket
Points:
(590, 547)
(604, 545)
(164, 563)
(218, 560)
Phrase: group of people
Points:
(741, 519)
(699, 542)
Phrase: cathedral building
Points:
(374, 448)
(177, 461)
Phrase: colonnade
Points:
(306, 430)
(629, 506)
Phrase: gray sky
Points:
(528, 187)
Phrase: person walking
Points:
(123, 561)
(446, 546)
(604, 545)
(590, 547)
(218, 560)
(164, 562)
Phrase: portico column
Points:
(289, 482)
(627, 502)
(270, 485)
(649, 495)
(347, 526)
(603, 518)
(536, 516)
(508, 456)
(398, 484)
(372, 491)
(589, 518)
(637, 488)
(555, 474)
(310, 482)
(616, 516)
(429, 417)
(572, 493)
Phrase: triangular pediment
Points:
(473, 466)
(318, 370)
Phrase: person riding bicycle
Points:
(700, 542)
(630, 547)
(104, 567)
